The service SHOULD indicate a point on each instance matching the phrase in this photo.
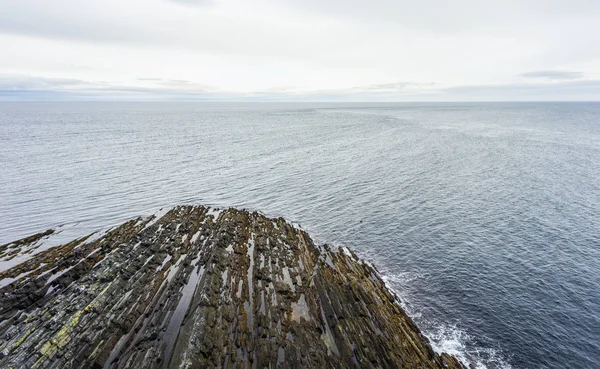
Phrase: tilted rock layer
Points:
(202, 288)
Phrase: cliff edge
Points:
(199, 288)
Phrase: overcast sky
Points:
(310, 50)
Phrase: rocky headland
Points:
(201, 288)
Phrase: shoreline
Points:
(194, 266)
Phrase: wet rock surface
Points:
(202, 288)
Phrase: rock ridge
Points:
(202, 287)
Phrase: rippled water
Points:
(484, 217)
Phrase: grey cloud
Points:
(40, 88)
(58, 23)
(162, 80)
(63, 19)
(193, 2)
(328, 42)
(588, 90)
(178, 83)
(397, 86)
(22, 87)
(553, 74)
(94, 22)
(23, 82)
(549, 91)
(442, 15)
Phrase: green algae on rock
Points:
(199, 287)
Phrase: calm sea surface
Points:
(485, 218)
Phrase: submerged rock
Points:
(203, 288)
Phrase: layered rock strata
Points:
(202, 288)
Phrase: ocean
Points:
(483, 217)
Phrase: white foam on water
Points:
(445, 338)
(454, 341)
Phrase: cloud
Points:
(23, 87)
(553, 74)
(228, 28)
(567, 90)
(19, 87)
(450, 16)
(177, 84)
(355, 49)
(398, 87)
(193, 2)
(21, 84)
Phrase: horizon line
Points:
(301, 101)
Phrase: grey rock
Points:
(202, 288)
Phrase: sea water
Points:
(484, 217)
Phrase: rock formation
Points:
(201, 288)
